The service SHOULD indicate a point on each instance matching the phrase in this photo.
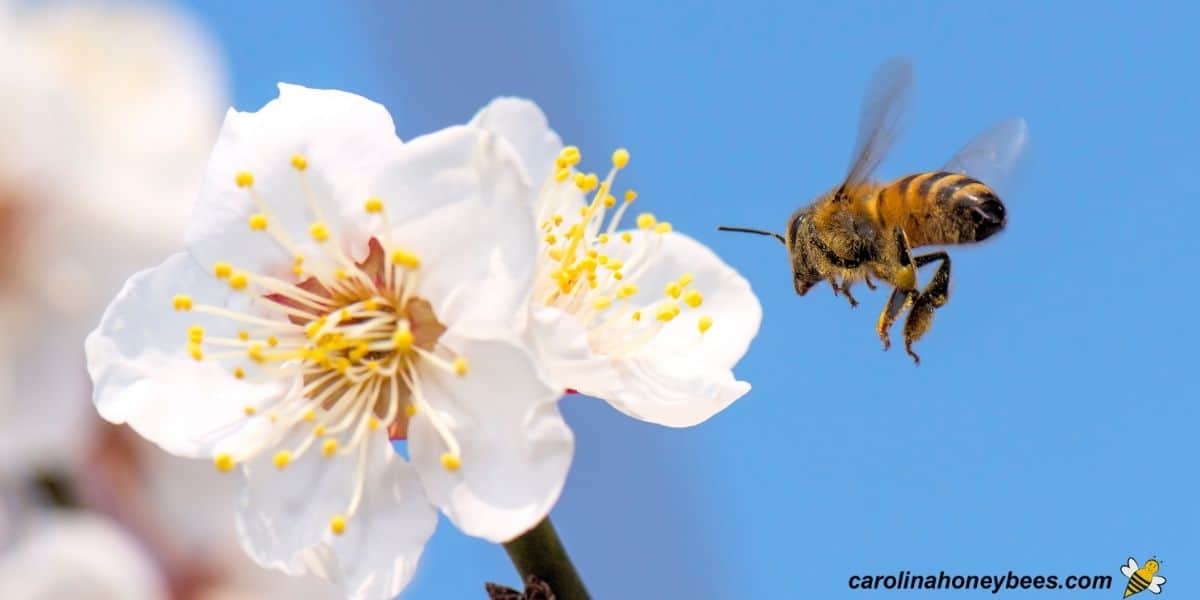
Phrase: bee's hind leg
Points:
(934, 296)
(895, 305)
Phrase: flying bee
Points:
(864, 229)
(1144, 578)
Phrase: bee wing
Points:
(1129, 568)
(992, 156)
(1156, 584)
(879, 124)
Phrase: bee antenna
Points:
(755, 231)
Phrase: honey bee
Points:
(864, 229)
(1144, 578)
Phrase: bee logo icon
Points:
(1144, 578)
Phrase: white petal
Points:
(523, 125)
(515, 447)
(457, 199)
(560, 342)
(681, 377)
(143, 376)
(344, 139)
(284, 518)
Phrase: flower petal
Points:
(523, 125)
(342, 137)
(672, 392)
(457, 199)
(515, 446)
(284, 518)
(143, 376)
(561, 344)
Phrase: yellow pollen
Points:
(373, 205)
(570, 155)
(222, 269)
(451, 462)
(630, 195)
(410, 409)
(561, 174)
(255, 352)
(372, 365)
(340, 274)
(550, 239)
(319, 231)
(299, 162)
(620, 158)
(224, 462)
(239, 373)
(243, 335)
(637, 315)
(182, 302)
(249, 411)
(627, 290)
(558, 219)
(329, 447)
(615, 264)
(601, 258)
(590, 182)
(673, 290)
(373, 424)
(319, 430)
(685, 279)
(704, 323)
(337, 525)
(627, 237)
(195, 334)
(403, 340)
(370, 304)
(310, 415)
(663, 227)
(602, 302)
(405, 259)
(194, 350)
(609, 201)
(281, 459)
(602, 238)
(460, 366)
(618, 275)
(693, 298)
(272, 341)
(646, 221)
(667, 311)
(257, 221)
(244, 179)
(555, 253)
(238, 280)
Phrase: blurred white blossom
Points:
(339, 286)
(646, 318)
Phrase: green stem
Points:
(539, 552)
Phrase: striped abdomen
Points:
(939, 208)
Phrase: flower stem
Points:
(539, 552)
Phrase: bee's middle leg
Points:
(934, 296)
(843, 289)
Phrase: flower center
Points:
(588, 269)
(348, 337)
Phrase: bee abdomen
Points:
(941, 208)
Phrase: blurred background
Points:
(1049, 430)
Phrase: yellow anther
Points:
(329, 447)
(685, 279)
(601, 302)
(663, 227)
(373, 205)
(257, 221)
(373, 424)
(403, 340)
(310, 415)
(319, 231)
(627, 237)
(222, 269)
(255, 352)
(319, 431)
(372, 365)
(340, 274)
(460, 366)
(224, 462)
(555, 253)
(243, 335)
(570, 155)
(667, 311)
(238, 280)
(405, 259)
(704, 323)
(451, 462)
(272, 341)
(410, 409)
(637, 315)
(298, 259)
(370, 304)
(244, 179)
(182, 302)
(602, 238)
(620, 158)
(195, 334)
(583, 211)
(579, 179)
(673, 290)
(630, 195)
(646, 221)
(627, 290)
(618, 275)
(281, 459)
(693, 298)
(299, 162)
(249, 410)
(609, 201)
(341, 365)
(614, 264)
(239, 372)
(337, 525)
(550, 239)
(561, 174)
(601, 258)
(194, 350)
(590, 182)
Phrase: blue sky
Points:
(1050, 428)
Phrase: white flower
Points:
(647, 319)
(77, 555)
(339, 285)
(108, 110)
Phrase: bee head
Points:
(804, 274)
